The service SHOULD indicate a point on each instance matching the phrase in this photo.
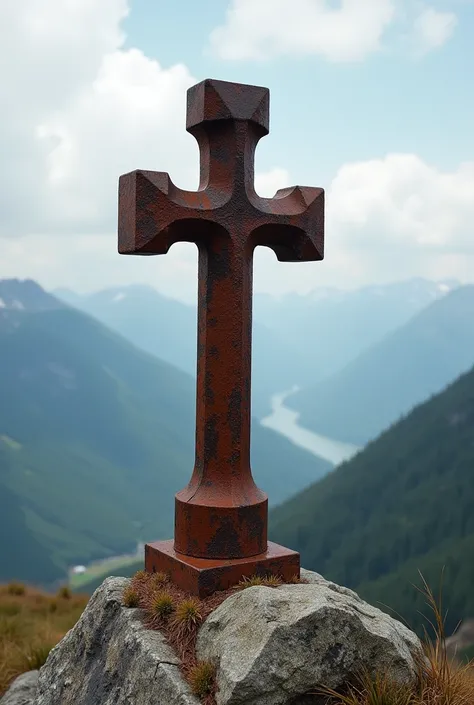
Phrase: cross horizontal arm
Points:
(154, 214)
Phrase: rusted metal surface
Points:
(222, 514)
(202, 577)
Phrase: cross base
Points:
(202, 576)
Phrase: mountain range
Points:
(332, 327)
(167, 329)
(388, 379)
(297, 340)
(96, 436)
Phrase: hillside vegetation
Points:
(31, 623)
(403, 504)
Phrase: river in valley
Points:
(285, 421)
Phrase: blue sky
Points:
(370, 99)
(324, 113)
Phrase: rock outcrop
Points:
(271, 646)
(109, 658)
(22, 690)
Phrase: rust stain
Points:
(221, 514)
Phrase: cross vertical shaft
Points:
(222, 490)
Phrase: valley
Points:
(100, 437)
(97, 437)
(286, 421)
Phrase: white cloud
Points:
(386, 219)
(432, 29)
(257, 29)
(402, 202)
(350, 31)
(81, 110)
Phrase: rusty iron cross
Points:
(221, 514)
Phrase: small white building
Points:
(79, 569)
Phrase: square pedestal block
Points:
(203, 577)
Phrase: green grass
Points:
(123, 569)
(102, 569)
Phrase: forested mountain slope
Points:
(403, 503)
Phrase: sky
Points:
(370, 99)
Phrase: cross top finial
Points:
(227, 120)
(213, 100)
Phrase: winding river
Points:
(285, 421)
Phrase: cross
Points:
(221, 515)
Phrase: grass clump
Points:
(297, 580)
(187, 618)
(130, 597)
(188, 614)
(15, 588)
(201, 678)
(266, 580)
(161, 605)
(159, 580)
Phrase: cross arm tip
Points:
(143, 204)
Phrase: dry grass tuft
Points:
(16, 588)
(186, 620)
(159, 580)
(160, 607)
(265, 580)
(201, 678)
(249, 582)
(130, 597)
(273, 581)
(140, 576)
(296, 580)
